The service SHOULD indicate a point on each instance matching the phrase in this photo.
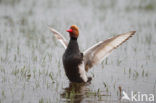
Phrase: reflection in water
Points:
(80, 92)
(75, 92)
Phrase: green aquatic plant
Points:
(41, 100)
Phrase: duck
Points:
(76, 63)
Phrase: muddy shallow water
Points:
(31, 69)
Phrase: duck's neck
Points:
(73, 45)
(73, 38)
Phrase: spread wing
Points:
(59, 37)
(99, 51)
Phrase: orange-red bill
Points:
(69, 30)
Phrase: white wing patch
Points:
(101, 50)
(82, 72)
(59, 37)
(86, 51)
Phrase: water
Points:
(31, 67)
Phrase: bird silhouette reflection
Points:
(75, 92)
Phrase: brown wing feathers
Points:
(98, 52)
(59, 37)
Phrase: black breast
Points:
(72, 58)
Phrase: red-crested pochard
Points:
(77, 63)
